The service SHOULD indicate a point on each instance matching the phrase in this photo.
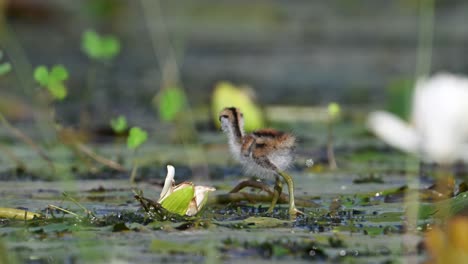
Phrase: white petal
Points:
(200, 193)
(394, 131)
(439, 117)
(168, 183)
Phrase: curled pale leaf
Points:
(185, 198)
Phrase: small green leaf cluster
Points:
(53, 80)
(136, 136)
(99, 47)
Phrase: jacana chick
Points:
(265, 152)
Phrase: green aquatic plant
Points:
(136, 137)
(171, 101)
(185, 199)
(172, 106)
(119, 124)
(334, 112)
(226, 94)
(5, 67)
(99, 47)
(52, 80)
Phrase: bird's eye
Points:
(223, 116)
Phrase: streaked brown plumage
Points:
(265, 152)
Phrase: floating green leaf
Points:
(119, 124)
(99, 47)
(171, 102)
(53, 228)
(178, 202)
(136, 137)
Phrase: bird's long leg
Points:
(277, 192)
(292, 206)
(266, 163)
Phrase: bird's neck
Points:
(236, 131)
(235, 134)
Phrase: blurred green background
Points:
(289, 52)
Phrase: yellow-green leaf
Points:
(178, 201)
(59, 73)
(57, 90)
(334, 110)
(98, 46)
(171, 102)
(136, 137)
(119, 124)
(17, 214)
(41, 75)
(228, 95)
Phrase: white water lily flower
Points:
(183, 199)
(439, 120)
